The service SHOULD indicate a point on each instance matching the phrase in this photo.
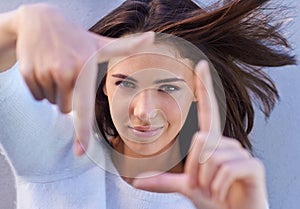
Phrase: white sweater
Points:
(37, 140)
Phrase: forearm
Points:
(8, 39)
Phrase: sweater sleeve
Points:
(35, 137)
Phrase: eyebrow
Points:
(167, 80)
(124, 77)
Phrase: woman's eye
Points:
(126, 84)
(168, 88)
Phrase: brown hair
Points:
(238, 37)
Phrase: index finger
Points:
(83, 105)
(85, 86)
(207, 109)
(124, 46)
(207, 106)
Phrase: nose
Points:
(144, 105)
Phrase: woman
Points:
(233, 36)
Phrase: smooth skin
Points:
(52, 52)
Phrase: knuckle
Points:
(259, 166)
(198, 142)
(226, 170)
(214, 188)
(51, 100)
(199, 137)
(79, 63)
(235, 143)
(38, 96)
(41, 74)
(27, 75)
(62, 74)
(215, 160)
(66, 71)
(244, 153)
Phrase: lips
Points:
(145, 131)
(142, 128)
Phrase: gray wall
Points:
(276, 142)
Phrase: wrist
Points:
(8, 38)
(8, 29)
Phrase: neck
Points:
(129, 167)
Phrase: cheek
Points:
(118, 106)
(179, 112)
(117, 98)
(173, 112)
(176, 106)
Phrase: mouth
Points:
(145, 131)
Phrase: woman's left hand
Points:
(219, 173)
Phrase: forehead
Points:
(152, 64)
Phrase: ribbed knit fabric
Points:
(37, 141)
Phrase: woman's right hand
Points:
(53, 51)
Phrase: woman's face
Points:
(149, 96)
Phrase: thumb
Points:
(161, 183)
(83, 106)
